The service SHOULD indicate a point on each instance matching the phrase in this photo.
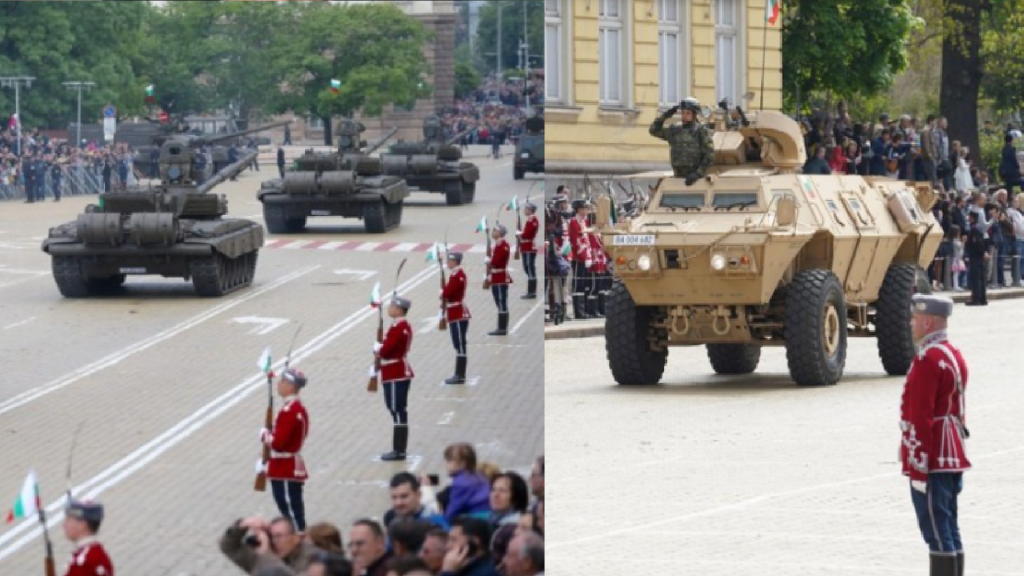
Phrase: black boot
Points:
(943, 565)
(502, 325)
(601, 297)
(592, 306)
(460, 371)
(399, 440)
(531, 290)
(578, 313)
(959, 564)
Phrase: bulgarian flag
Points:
(514, 204)
(149, 93)
(771, 10)
(482, 225)
(566, 249)
(27, 503)
(265, 362)
(432, 253)
(375, 296)
(335, 85)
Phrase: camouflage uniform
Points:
(692, 149)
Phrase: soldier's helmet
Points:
(690, 103)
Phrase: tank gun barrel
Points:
(228, 171)
(381, 142)
(456, 138)
(202, 140)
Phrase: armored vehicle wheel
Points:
(274, 218)
(69, 278)
(892, 319)
(217, 275)
(517, 174)
(295, 224)
(376, 217)
(627, 328)
(815, 328)
(734, 358)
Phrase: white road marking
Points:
(5, 270)
(22, 323)
(429, 325)
(330, 245)
(362, 274)
(118, 356)
(526, 317)
(405, 247)
(367, 246)
(446, 418)
(140, 457)
(265, 325)
(296, 244)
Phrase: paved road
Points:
(171, 399)
(735, 476)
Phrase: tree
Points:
(1003, 54)
(843, 48)
(511, 31)
(466, 79)
(375, 51)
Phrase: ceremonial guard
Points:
(397, 374)
(600, 279)
(82, 521)
(500, 278)
(528, 248)
(286, 469)
(932, 451)
(581, 261)
(456, 314)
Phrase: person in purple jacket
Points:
(470, 491)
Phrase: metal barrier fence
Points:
(74, 181)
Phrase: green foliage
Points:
(1003, 53)
(846, 48)
(511, 32)
(991, 149)
(466, 79)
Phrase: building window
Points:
(553, 38)
(729, 65)
(611, 52)
(671, 65)
(315, 123)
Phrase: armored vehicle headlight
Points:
(644, 262)
(718, 262)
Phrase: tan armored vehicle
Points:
(756, 254)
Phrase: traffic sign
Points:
(109, 111)
(164, 117)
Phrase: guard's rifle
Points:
(48, 564)
(442, 321)
(371, 386)
(487, 276)
(261, 477)
(519, 230)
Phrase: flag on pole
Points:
(149, 93)
(27, 503)
(613, 217)
(482, 225)
(514, 204)
(335, 85)
(375, 296)
(13, 123)
(265, 361)
(566, 249)
(771, 10)
(432, 253)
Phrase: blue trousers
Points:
(458, 330)
(288, 496)
(937, 512)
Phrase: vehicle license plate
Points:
(633, 240)
(133, 270)
(321, 212)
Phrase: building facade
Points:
(612, 66)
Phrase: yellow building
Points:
(612, 66)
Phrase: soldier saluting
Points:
(396, 374)
(286, 468)
(692, 149)
(457, 314)
(932, 450)
(82, 521)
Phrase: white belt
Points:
(497, 270)
(283, 454)
(390, 362)
(453, 304)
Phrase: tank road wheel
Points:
(210, 275)
(815, 328)
(892, 319)
(626, 330)
(734, 358)
(295, 224)
(68, 275)
(468, 192)
(375, 217)
(517, 174)
(250, 267)
(453, 193)
(274, 218)
(394, 215)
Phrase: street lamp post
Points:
(501, 9)
(78, 85)
(16, 82)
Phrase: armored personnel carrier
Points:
(756, 254)
(434, 164)
(529, 149)
(345, 183)
(175, 229)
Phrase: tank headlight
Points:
(644, 262)
(718, 262)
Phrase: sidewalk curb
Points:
(594, 328)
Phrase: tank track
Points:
(217, 275)
(67, 273)
(380, 217)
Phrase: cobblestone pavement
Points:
(717, 475)
(167, 389)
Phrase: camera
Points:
(435, 480)
(251, 540)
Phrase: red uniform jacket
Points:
(499, 264)
(529, 235)
(393, 362)
(932, 411)
(290, 430)
(453, 296)
(597, 253)
(90, 559)
(578, 239)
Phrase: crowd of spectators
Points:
(486, 522)
(497, 110)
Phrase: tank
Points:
(757, 254)
(175, 229)
(529, 149)
(434, 164)
(348, 183)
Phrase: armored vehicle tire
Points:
(734, 358)
(625, 338)
(468, 192)
(379, 217)
(218, 275)
(69, 278)
(815, 328)
(892, 319)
